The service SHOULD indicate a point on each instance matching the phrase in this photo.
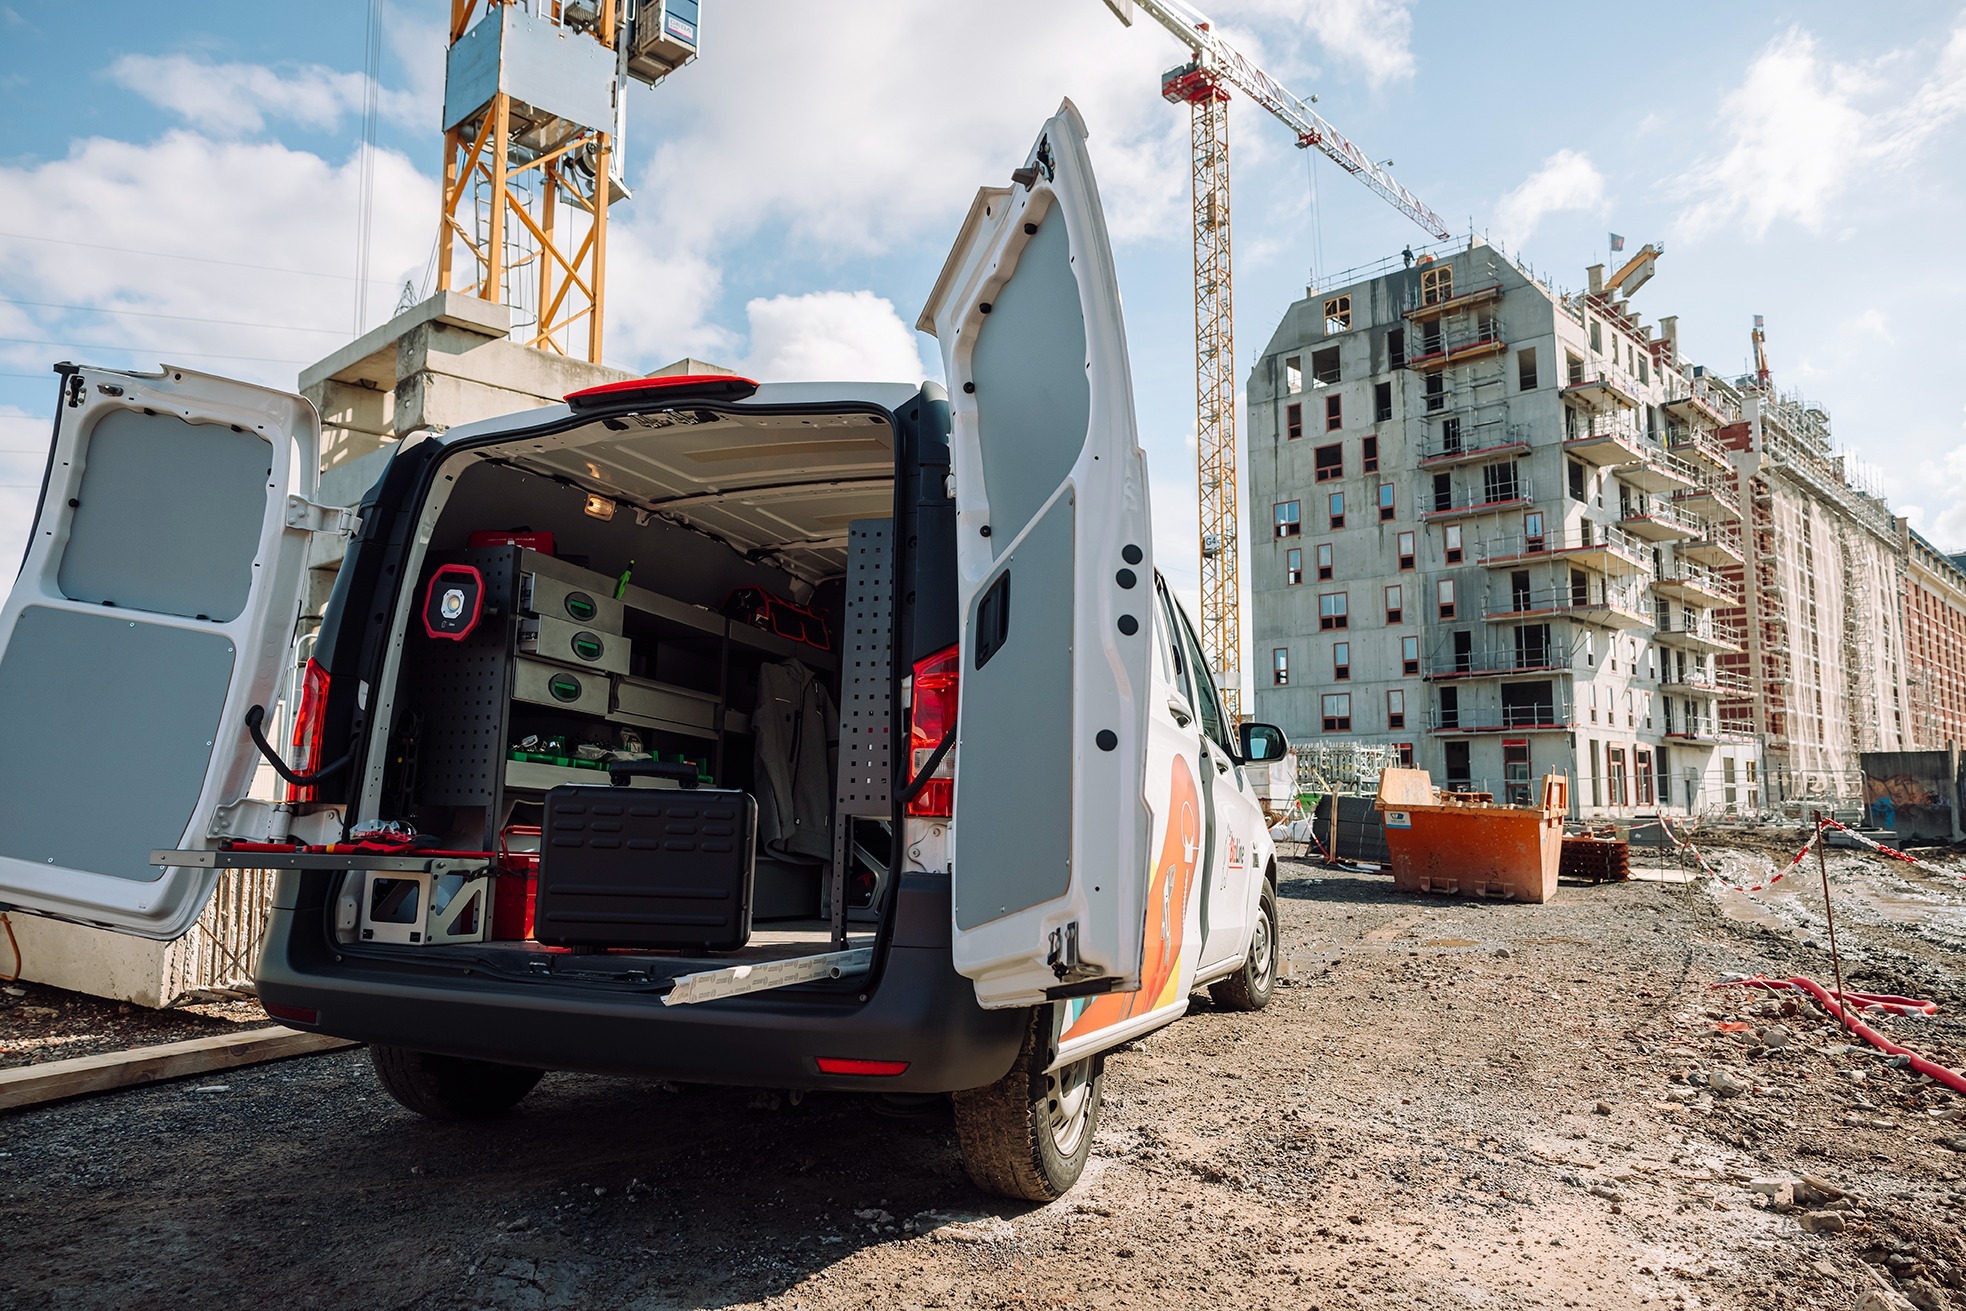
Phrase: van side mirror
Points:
(1262, 742)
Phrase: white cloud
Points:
(23, 455)
(1567, 181)
(231, 204)
(1873, 323)
(1376, 35)
(1802, 130)
(238, 99)
(830, 336)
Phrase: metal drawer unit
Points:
(569, 643)
(586, 603)
(581, 691)
(664, 706)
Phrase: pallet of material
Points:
(1595, 860)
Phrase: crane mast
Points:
(1203, 84)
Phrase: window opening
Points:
(1332, 611)
(1293, 566)
(1288, 519)
(1329, 462)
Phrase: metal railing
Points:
(1564, 596)
(1589, 536)
(1662, 511)
(1474, 441)
(1549, 658)
(1495, 718)
(1718, 682)
(1687, 623)
(1474, 498)
(1688, 574)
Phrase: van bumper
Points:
(919, 1011)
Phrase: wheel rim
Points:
(1262, 954)
(1068, 1105)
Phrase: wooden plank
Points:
(78, 1076)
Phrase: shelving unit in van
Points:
(559, 656)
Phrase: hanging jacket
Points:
(795, 724)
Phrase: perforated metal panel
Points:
(866, 673)
(866, 650)
(464, 690)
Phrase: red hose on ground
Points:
(1902, 1005)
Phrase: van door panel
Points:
(156, 603)
(1052, 822)
(1017, 809)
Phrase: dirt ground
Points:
(1448, 1105)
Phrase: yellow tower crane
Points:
(1203, 83)
(535, 105)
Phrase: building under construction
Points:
(1507, 530)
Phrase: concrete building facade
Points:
(1933, 599)
(1482, 530)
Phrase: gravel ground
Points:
(1448, 1105)
(39, 1023)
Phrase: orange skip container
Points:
(1462, 843)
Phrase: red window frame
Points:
(1386, 502)
(1368, 452)
(1340, 615)
(1444, 597)
(1451, 540)
(1334, 413)
(1395, 708)
(1409, 664)
(1293, 566)
(1293, 528)
(1323, 558)
(1341, 661)
(1293, 420)
(1395, 603)
(1409, 547)
(1334, 505)
(1280, 666)
(1336, 701)
(1325, 471)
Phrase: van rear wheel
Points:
(1250, 988)
(451, 1087)
(1029, 1134)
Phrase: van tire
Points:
(1028, 1135)
(451, 1087)
(1251, 987)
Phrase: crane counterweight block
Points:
(1190, 84)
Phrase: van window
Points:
(1209, 706)
(1172, 633)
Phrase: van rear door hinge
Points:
(311, 517)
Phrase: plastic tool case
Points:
(663, 868)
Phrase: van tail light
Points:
(844, 1065)
(291, 1014)
(310, 728)
(931, 719)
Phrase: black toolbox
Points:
(664, 868)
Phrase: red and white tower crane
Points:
(1203, 84)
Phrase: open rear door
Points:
(156, 603)
(1055, 555)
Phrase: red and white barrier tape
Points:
(1893, 853)
(1784, 872)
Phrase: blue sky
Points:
(179, 180)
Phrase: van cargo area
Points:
(699, 597)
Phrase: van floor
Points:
(779, 940)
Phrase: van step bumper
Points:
(917, 1010)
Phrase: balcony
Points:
(1597, 601)
(1719, 549)
(1606, 444)
(1600, 392)
(1555, 716)
(1442, 452)
(1488, 498)
(1697, 450)
(1592, 546)
(1728, 684)
(1689, 584)
(1700, 633)
(1702, 730)
(1499, 661)
(1658, 471)
(1695, 409)
(1712, 500)
(1438, 350)
(1453, 304)
(1653, 520)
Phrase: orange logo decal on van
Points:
(1167, 913)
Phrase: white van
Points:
(674, 623)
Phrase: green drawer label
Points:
(581, 606)
(564, 687)
(587, 646)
